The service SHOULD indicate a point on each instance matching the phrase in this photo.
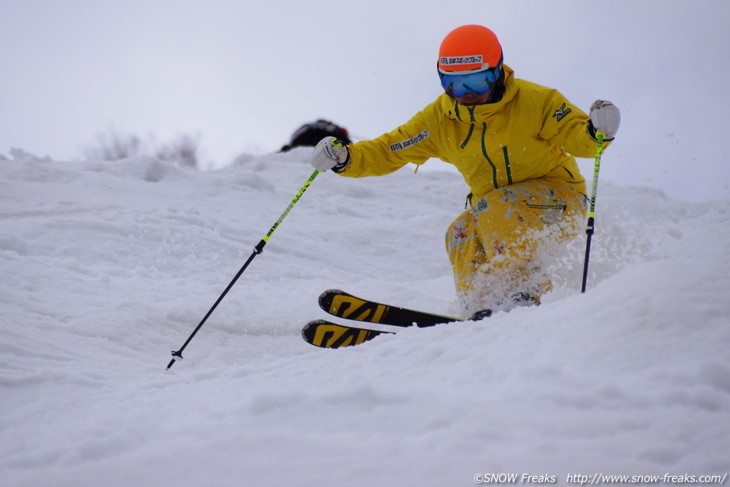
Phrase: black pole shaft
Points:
(589, 231)
(177, 354)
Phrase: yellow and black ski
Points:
(325, 334)
(344, 305)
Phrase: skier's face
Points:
(471, 99)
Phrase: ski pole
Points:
(177, 354)
(591, 213)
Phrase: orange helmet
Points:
(469, 49)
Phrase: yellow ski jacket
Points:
(533, 132)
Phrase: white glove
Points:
(604, 117)
(330, 153)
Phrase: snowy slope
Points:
(108, 266)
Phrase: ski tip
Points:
(309, 331)
(326, 298)
(329, 293)
(325, 334)
(311, 324)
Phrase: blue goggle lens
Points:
(458, 85)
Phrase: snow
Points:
(108, 266)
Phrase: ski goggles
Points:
(458, 85)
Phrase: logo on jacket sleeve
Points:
(561, 112)
(404, 144)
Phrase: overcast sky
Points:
(243, 75)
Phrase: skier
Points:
(514, 142)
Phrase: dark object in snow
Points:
(310, 133)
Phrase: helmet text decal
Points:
(461, 60)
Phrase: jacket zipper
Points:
(486, 156)
(484, 146)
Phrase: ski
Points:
(344, 305)
(325, 334)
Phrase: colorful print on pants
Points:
(495, 247)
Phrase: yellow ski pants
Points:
(496, 246)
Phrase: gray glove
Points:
(604, 117)
(330, 153)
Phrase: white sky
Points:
(244, 75)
